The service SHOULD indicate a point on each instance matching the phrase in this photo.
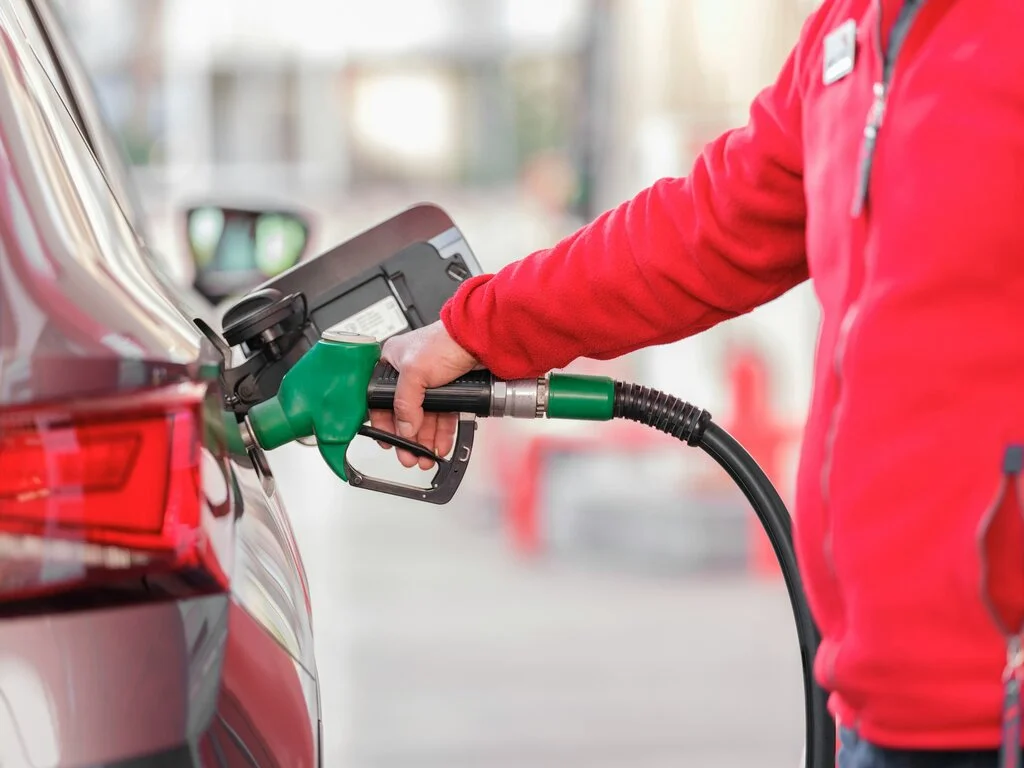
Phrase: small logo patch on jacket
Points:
(840, 52)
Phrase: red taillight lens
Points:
(103, 484)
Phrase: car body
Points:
(154, 609)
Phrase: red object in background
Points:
(753, 423)
(523, 479)
(524, 491)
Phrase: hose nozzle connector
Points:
(520, 398)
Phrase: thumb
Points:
(409, 393)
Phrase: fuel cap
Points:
(260, 312)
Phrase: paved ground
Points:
(437, 647)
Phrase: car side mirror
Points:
(236, 249)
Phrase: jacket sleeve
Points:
(681, 256)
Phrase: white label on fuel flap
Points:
(379, 320)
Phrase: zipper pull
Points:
(1010, 751)
(867, 152)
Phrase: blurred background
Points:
(596, 596)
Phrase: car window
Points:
(58, 57)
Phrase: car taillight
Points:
(103, 489)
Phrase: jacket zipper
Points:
(872, 127)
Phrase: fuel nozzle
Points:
(329, 392)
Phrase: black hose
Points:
(694, 426)
(665, 413)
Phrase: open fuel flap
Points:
(389, 279)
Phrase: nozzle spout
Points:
(270, 425)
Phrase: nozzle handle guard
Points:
(446, 480)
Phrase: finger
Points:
(384, 421)
(426, 437)
(393, 351)
(407, 459)
(447, 424)
(409, 393)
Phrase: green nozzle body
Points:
(323, 395)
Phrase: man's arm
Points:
(678, 258)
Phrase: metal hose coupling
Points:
(519, 398)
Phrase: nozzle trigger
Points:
(417, 450)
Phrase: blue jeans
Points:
(854, 752)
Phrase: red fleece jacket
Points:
(919, 381)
